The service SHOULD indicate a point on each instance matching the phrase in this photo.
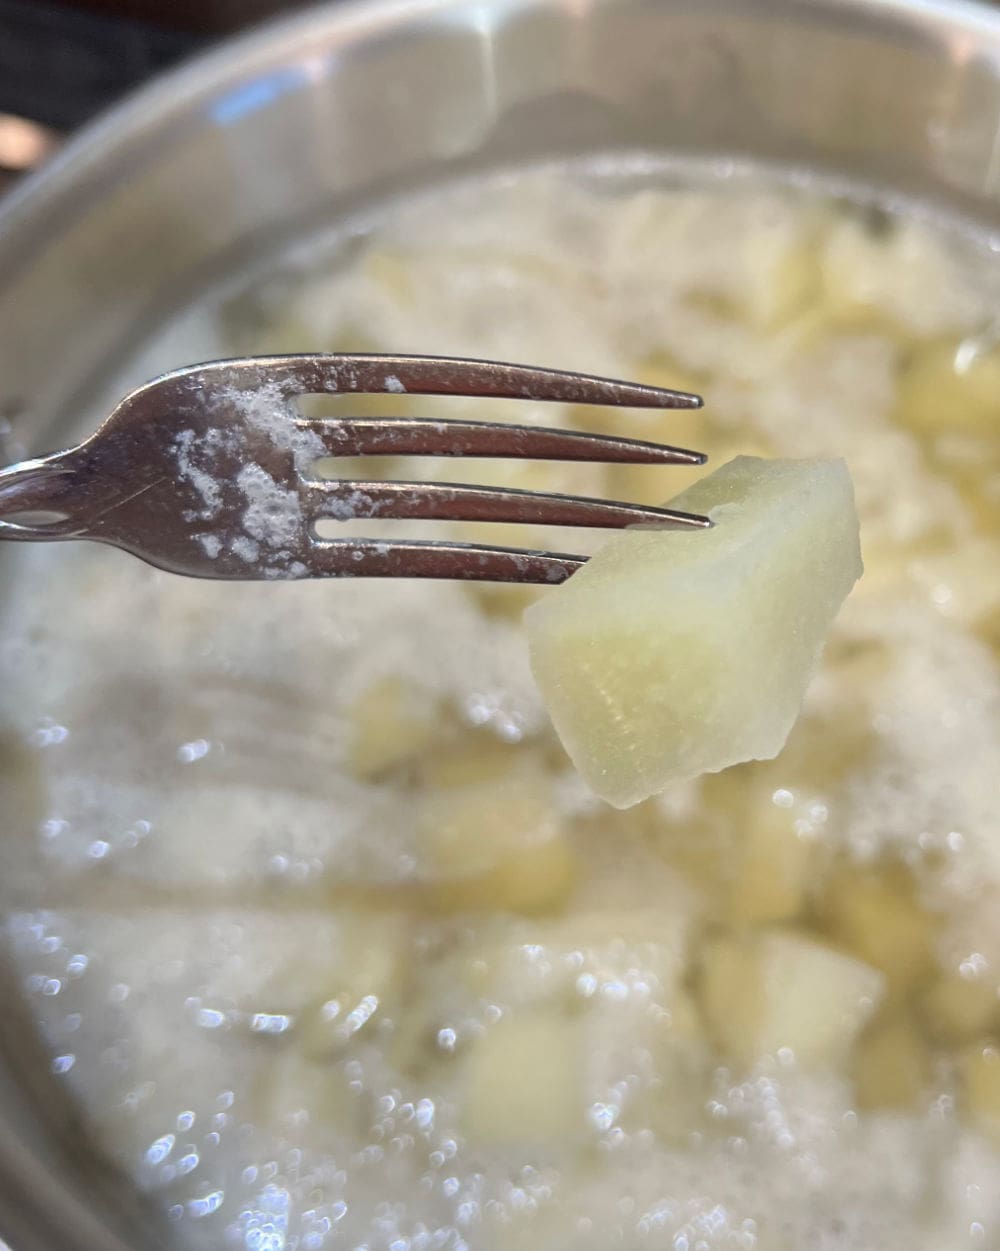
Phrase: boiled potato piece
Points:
(761, 272)
(592, 957)
(303, 1100)
(874, 912)
(392, 723)
(354, 992)
(729, 992)
(959, 1009)
(782, 990)
(816, 998)
(963, 585)
(524, 1083)
(891, 1065)
(672, 654)
(768, 863)
(676, 1106)
(897, 279)
(477, 758)
(497, 843)
(774, 872)
(980, 1071)
(950, 386)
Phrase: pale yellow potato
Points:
(948, 386)
(773, 878)
(588, 957)
(523, 1082)
(363, 982)
(621, 946)
(980, 1074)
(956, 1009)
(891, 1065)
(963, 585)
(497, 843)
(729, 993)
(672, 654)
(899, 281)
(760, 272)
(817, 999)
(301, 1099)
(392, 723)
(475, 758)
(877, 915)
(769, 863)
(676, 1108)
(780, 990)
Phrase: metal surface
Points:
(163, 477)
(223, 162)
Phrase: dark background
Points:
(61, 61)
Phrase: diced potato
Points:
(957, 1009)
(592, 957)
(22, 790)
(477, 758)
(367, 977)
(980, 1071)
(876, 914)
(729, 991)
(301, 1099)
(760, 272)
(783, 990)
(817, 999)
(774, 872)
(891, 1065)
(391, 271)
(672, 654)
(701, 847)
(964, 583)
(795, 285)
(676, 1109)
(622, 947)
(524, 1084)
(392, 723)
(498, 843)
(944, 388)
(770, 854)
(899, 280)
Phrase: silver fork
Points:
(210, 471)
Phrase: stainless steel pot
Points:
(220, 164)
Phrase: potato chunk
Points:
(980, 1071)
(674, 654)
(957, 1009)
(784, 990)
(391, 724)
(497, 843)
(876, 913)
(892, 1067)
(524, 1083)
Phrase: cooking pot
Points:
(221, 164)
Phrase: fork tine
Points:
(421, 436)
(364, 373)
(471, 562)
(444, 501)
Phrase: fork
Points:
(210, 471)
